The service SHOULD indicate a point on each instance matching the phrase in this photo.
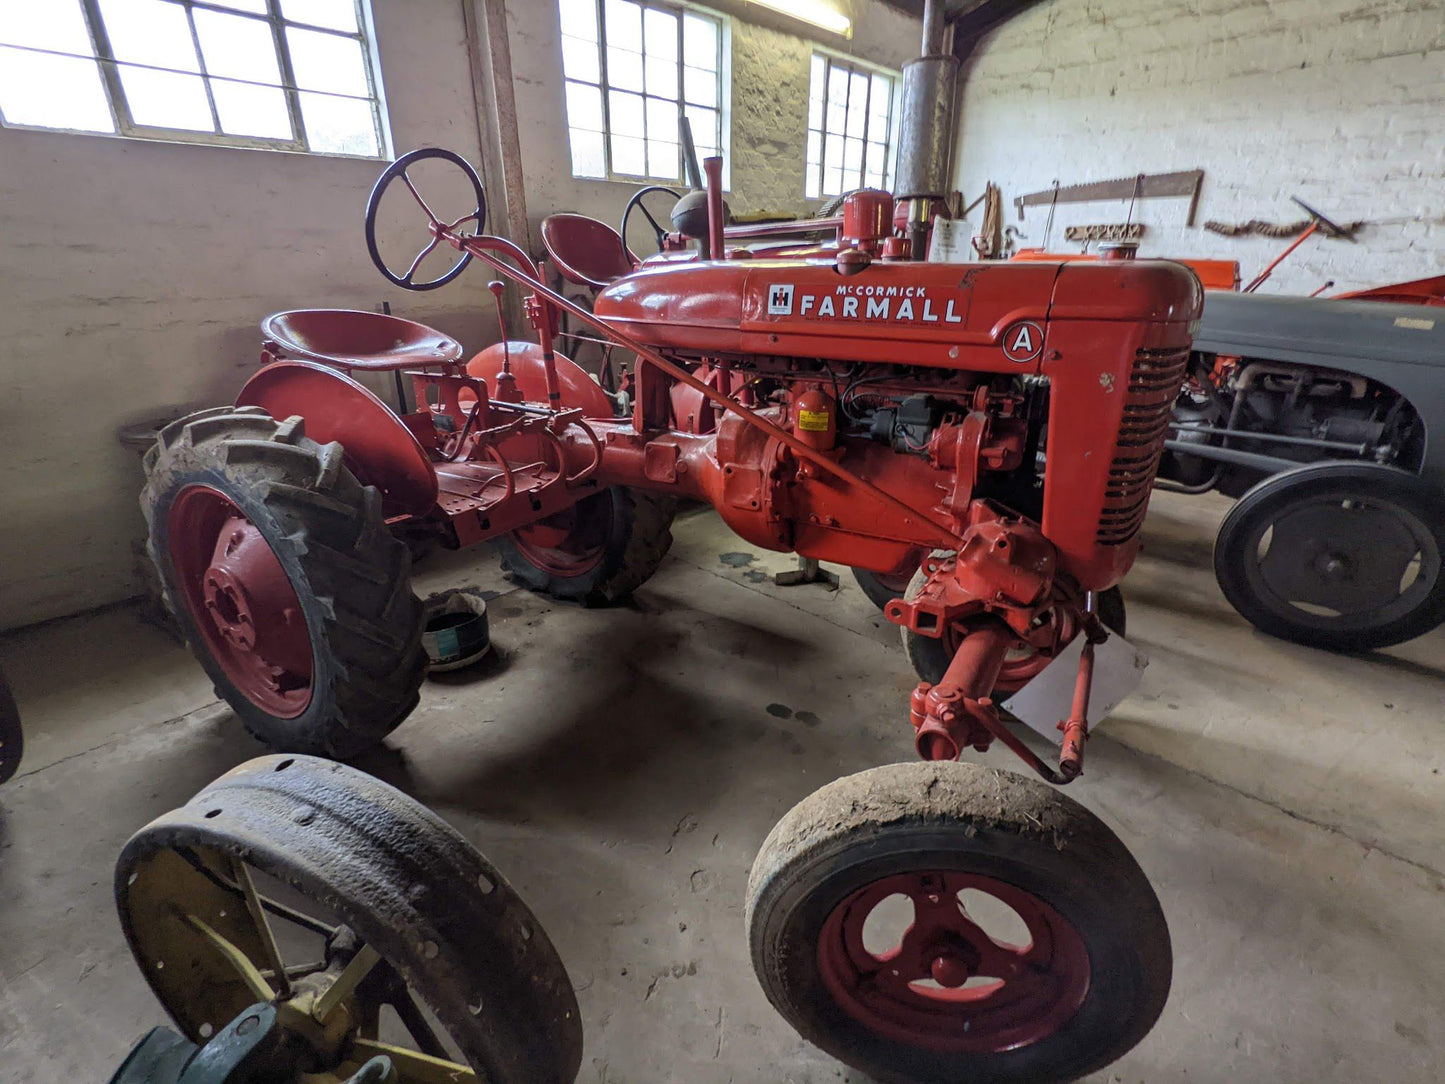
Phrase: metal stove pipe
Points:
(926, 129)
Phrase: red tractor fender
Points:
(578, 389)
(378, 447)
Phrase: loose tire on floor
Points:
(930, 655)
(971, 851)
(345, 672)
(12, 738)
(1341, 556)
(320, 860)
(597, 552)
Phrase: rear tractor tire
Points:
(284, 579)
(938, 922)
(598, 551)
(1341, 556)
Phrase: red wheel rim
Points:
(942, 980)
(244, 607)
(571, 542)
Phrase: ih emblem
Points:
(1023, 341)
(780, 299)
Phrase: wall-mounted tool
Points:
(1139, 186)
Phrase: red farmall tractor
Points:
(840, 400)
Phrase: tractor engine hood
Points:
(934, 314)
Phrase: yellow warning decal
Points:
(813, 421)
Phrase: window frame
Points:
(831, 59)
(103, 56)
(680, 8)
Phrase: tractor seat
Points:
(587, 252)
(348, 339)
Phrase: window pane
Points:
(699, 87)
(624, 68)
(338, 125)
(238, 47)
(815, 150)
(624, 25)
(327, 62)
(816, 75)
(662, 77)
(625, 114)
(811, 188)
(584, 107)
(662, 120)
(251, 111)
(815, 113)
(832, 181)
(150, 32)
(53, 92)
(662, 159)
(579, 59)
(699, 42)
(587, 157)
(858, 105)
(579, 18)
(852, 155)
(629, 155)
(337, 14)
(661, 31)
(833, 153)
(56, 24)
(166, 100)
(256, 7)
(704, 129)
(877, 161)
(880, 103)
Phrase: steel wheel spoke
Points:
(280, 910)
(263, 927)
(360, 966)
(412, 1066)
(295, 971)
(259, 987)
(416, 1024)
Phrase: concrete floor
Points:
(622, 766)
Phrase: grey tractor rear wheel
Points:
(286, 583)
(1342, 556)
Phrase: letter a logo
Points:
(1023, 341)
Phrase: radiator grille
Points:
(1154, 384)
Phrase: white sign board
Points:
(1047, 700)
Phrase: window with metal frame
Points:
(850, 127)
(634, 69)
(298, 75)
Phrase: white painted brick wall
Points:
(1341, 102)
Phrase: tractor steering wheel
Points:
(397, 169)
(635, 203)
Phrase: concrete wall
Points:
(1336, 101)
(133, 275)
(769, 106)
